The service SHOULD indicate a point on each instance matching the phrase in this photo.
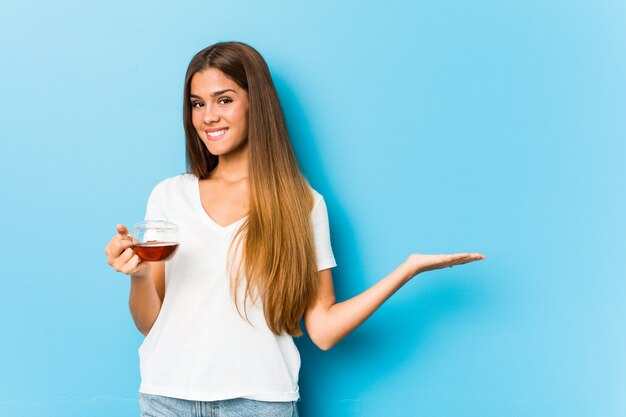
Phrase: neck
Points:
(233, 166)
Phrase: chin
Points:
(219, 151)
(224, 148)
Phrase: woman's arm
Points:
(146, 297)
(327, 321)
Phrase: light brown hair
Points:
(276, 240)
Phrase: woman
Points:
(254, 256)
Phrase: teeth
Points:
(217, 133)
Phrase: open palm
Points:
(421, 263)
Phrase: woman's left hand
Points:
(418, 263)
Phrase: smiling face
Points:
(219, 112)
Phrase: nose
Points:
(210, 115)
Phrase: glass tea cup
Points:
(155, 240)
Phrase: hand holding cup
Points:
(153, 240)
(121, 255)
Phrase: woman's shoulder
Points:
(317, 197)
(174, 183)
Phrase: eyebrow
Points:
(215, 93)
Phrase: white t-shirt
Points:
(200, 348)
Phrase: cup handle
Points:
(132, 238)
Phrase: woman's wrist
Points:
(409, 269)
(142, 271)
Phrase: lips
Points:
(215, 134)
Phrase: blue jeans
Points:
(158, 406)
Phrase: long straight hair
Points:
(275, 243)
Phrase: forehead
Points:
(210, 80)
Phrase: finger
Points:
(465, 261)
(115, 248)
(453, 259)
(132, 265)
(122, 263)
(123, 258)
(127, 255)
(475, 256)
(469, 258)
(459, 256)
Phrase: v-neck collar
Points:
(208, 219)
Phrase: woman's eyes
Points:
(223, 100)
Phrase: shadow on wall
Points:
(380, 348)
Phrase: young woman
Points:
(254, 256)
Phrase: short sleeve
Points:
(321, 235)
(154, 208)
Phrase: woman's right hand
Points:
(121, 256)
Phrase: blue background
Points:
(432, 126)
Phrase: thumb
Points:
(122, 230)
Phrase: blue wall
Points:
(434, 126)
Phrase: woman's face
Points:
(219, 111)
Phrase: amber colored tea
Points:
(155, 251)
